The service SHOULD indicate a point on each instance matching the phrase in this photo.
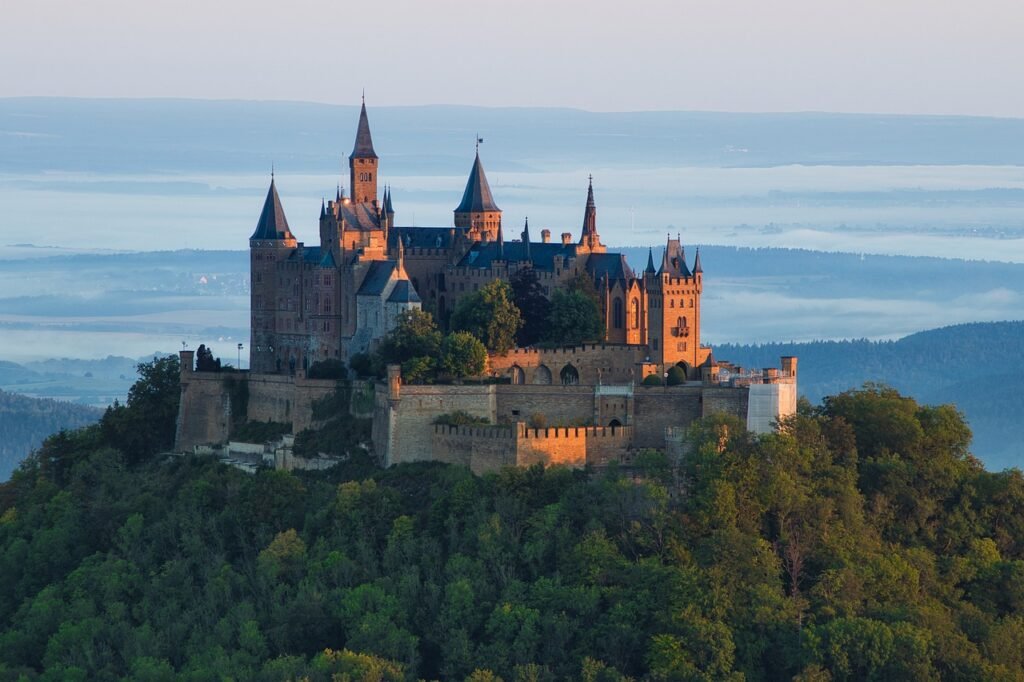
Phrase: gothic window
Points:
(569, 375)
(542, 375)
(634, 311)
(617, 313)
(672, 303)
(327, 305)
(517, 375)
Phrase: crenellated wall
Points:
(489, 448)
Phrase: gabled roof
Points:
(272, 223)
(610, 265)
(311, 254)
(423, 237)
(359, 216)
(477, 196)
(377, 277)
(328, 260)
(363, 148)
(541, 256)
(403, 293)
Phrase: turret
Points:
(362, 163)
(271, 242)
(589, 238)
(477, 210)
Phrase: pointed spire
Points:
(401, 253)
(477, 197)
(272, 224)
(589, 213)
(323, 208)
(696, 263)
(650, 261)
(364, 143)
(388, 208)
(526, 240)
(338, 195)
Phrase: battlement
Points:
(521, 431)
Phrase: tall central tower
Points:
(362, 164)
(477, 210)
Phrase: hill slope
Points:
(25, 422)
(978, 367)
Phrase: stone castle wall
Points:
(489, 448)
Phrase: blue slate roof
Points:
(423, 237)
(377, 278)
(363, 148)
(477, 196)
(541, 255)
(612, 265)
(403, 293)
(272, 223)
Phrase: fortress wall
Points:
(566, 446)
(407, 423)
(558, 405)
(482, 448)
(727, 400)
(657, 408)
(287, 399)
(204, 415)
(595, 363)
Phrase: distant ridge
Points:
(979, 367)
(161, 135)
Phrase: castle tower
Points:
(674, 314)
(589, 239)
(362, 163)
(270, 243)
(477, 211)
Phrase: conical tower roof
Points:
(696, 263)
(477, 196)
(364, 143)
(589, 213)
(272, 224)
(650, 261)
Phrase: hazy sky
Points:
(905, 56)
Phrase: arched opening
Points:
(615, 423)
(617, 313)
(517, 374)
(634, 312)
(542, 375)
(569, 375)
(685, 366)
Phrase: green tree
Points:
(145, 424)
(415, 336)
(676, 376)
(462, 355)
(574, 319)
(490, 315)
(528, 295)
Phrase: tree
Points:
(574, 319)
(146, 423)
(676, 376)
(205, 361)
(528, 295)
(490, 315)
(415, 336)
(462, 355)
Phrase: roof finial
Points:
(590, 179)
(364, 96)
(479, 140)
(271, 171)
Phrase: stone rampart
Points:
(599, 363)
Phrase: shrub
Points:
(327, 369)
(676, 376)
(652, 380)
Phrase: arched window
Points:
(517, 375)
(634, 312)
(617, 313)
(569, 375)
(542, 375)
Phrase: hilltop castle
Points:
(331, 301)
(340, 298)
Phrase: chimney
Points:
(566, 238)
(545, 236)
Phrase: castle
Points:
(340, 298)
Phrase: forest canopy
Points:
(862, 541)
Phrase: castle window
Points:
(327, 280)
(617, 313)
(672, 303)
(635, 313)
(654, 343)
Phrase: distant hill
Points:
(978, 367)
(25, 422)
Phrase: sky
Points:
(871, 56)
